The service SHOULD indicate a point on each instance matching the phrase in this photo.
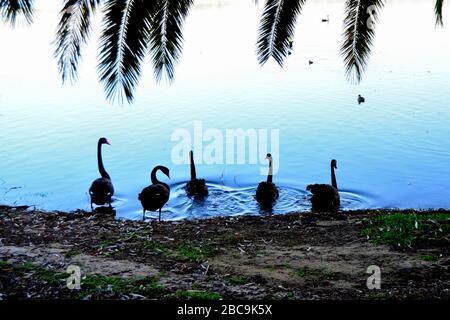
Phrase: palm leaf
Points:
(276, 29)
(166, 36)
(10, 10)
(359, 32)
(438, 12)
(73, 31)
(123, 45)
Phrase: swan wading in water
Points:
(267, 191)
(156, 195)
(102, 189)
(195, 187)
(325, 197)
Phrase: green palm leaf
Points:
(359, 32)
(166, 36)
(10, 10)
(276, 28)
(123, 45)
(438, 12)
(73, 31)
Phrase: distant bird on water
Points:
(310, 62)
(195, 187)
(101, 190)
(361, 99)
(327, 19)
(325, 197)
(267, 191)
(156, 195)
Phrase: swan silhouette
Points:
(267, 191)
(156, 195)
(195, 187)
(102, 189)
(325, 197)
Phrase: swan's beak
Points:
(168, 175)
(107, 142)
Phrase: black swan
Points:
(325, 197)
(195, 187)
(156, 195)
(267, 191)
(361, 99)
(101, 189)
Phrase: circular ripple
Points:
(227, 201)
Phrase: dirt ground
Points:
(294, 256)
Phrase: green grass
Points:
(196, 254)
(316, 274)
(430, 257)
(406, 230)
(155, 246)
(197, 295)
(72, 253)
(96, 284)
(39, 273)
(238, 280)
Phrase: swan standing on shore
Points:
(325, 197)
(195, 187)
(155, 196)
(267, 191)
(102, 189)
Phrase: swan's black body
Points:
(325, 197)
(155, 196)
(102, 189)
(267, 191)
(196, 188)
(361, 99)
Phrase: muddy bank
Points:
(294, 256)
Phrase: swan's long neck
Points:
(333, 177)
(269, 176)
(154, 178)
(193, 173)
(101, 168)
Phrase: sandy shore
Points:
(294, 256)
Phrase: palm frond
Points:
(123, 45)
(166, 37)
(73, 31)
(10, 10)
(359, 32)
(438, 12)
(276, 29)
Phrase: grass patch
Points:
(197, 295)
(196, 254)
(71, 253)
(96, 284)
(239, 280)
(316, 274)
(155, 246)
(430, 257)
(39, 273)
(407, 230)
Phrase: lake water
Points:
(393, 151)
